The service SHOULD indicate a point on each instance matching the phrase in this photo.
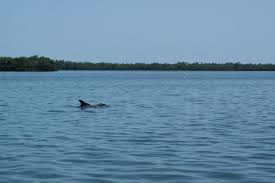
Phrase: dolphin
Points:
(86, 105)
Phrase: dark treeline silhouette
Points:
(33, 63)
(36, 63)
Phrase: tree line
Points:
(36, 63)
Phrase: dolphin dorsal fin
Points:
(82, 103)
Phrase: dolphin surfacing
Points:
(86, 105)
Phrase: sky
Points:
(139, 30)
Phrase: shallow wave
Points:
(161, 127)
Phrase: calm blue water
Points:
(161, 127)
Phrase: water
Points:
(161, 127)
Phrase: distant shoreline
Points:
(147, 70)
(45, 64)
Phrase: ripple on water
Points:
(161, 127)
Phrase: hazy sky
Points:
(139, 30)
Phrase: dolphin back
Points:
(86, 105)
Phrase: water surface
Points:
(161, 127)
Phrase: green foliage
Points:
(36, 63)
(33, 63)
